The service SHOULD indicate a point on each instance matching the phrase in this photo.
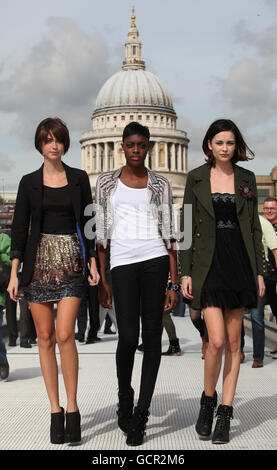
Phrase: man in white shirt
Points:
(270, 212)
(257, 314)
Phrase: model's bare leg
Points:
(65, 335)
(216, 332)
(233, 322)
(45, 327)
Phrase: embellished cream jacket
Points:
(160, 200)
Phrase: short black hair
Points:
(242, 151)
(53, 126)
(135, 128)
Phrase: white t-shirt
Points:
(135, 236)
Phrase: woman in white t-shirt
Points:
(134, 215)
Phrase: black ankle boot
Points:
(57, 427)
(221, 432)
(73, 427)
(137, 426)
(205, 419)
(174, 348)
(125, 409)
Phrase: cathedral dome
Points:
(135, 94)
(133, 88)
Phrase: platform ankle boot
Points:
(222, 428)
(57, 427)
(73, 427)
(137, 425)
(125, 409)
(174, 348)
(205, 419)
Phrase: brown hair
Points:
(270, 199)
(53, 126)
(222, 125)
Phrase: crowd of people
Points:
(123, 269)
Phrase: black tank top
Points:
(58, 216)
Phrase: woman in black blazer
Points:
(48, 236)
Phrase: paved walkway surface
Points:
(25, 414)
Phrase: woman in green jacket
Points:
(5, 248)
(223, 269)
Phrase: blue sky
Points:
(217, 58)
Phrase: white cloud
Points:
(61, 77)
(249, 91)
(196, 133)
(6, 163)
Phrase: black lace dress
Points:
(230, 282)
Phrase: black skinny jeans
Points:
(139, 290)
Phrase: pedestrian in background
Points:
(5, 248)
(270, 213)
(257, 314)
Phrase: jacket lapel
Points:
(240, 178)
(74, 189)
(202, 188)
(36, 197)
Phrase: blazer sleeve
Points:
(86, 200)
(257, 229)
(185, 256)
(21, 221)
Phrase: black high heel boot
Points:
(137, 426)
(125, 409)
(57, 427)
(221, 432)
(73, 427)
(205, 419)
(174, 348)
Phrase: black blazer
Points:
(29, 209)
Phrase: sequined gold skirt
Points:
(58, 271)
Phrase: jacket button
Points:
(198, 235)
(193, 249)
(200, 221)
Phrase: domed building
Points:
(135, 94)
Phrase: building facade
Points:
(135, 94)
(267, 186)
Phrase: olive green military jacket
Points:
(196, 260)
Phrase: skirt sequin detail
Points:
(58, 271)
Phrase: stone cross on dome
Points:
(133, 48)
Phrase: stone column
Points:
(185, 159)
(182, 157)
(156, 157)
(112, 158)
(166, 155)
(88, 152)
(179, 153)
(173, 159)
(106, 157)
(93, 157)
(98, 169)
(83, 158)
